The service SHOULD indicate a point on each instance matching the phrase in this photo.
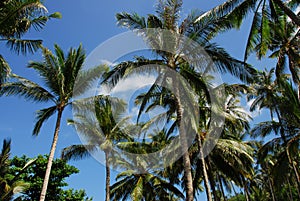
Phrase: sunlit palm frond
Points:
(4, 70)
(27, 89)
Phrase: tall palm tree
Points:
(59, 73)
(205, 29)
(286, 148)
(101, 130)
(230, 151)
(17, 17)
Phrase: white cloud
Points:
(109, 63)
(126, 88)
(254, 113)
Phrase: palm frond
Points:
(23, 45)
(77, 152)
(131, 21)
(27, 89)
(227, 64)
(4, 70)
(42, 116)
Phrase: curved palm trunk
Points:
(51, 155)
(206, 182)
(107, 182)
(288, 12)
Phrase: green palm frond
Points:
(131, 21)
(41, 116)
(137, 193)
(27, 89)
(4, 156)
(227, 64)
(23, 45)
(205, 26)
(254, 36)
(77, 152)
(4, 70)
(168, 12)
(266, 128)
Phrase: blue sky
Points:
(90, 23)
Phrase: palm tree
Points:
(59, 72)
(284, 45)
(167, 18)
(231, 159)
(17, 17)
(286, 147)
(263, 11)
(263, 92)
(10, 185)
(101, 130)
(145, 184)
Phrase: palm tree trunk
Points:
(212, 181)
(51, 155)
(246, 190)
(271, 189)
(188, 179)
(222, 188)
(289, 194)
(288, 12)
(107, 183)
(294, 169)
(206, 182)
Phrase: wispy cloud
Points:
(109, 63)
(254, 113)
(126, 88)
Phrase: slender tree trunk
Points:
(246, 190)
(288, 12)
(281, 127)
(188, 179)
(290, 194)
(293, 66)
(271, 189)
(294, 169)
(51, 155)
(212, 181)
(222, 188)
(206, 182)
(107, 183)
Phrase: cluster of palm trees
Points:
(257, 170)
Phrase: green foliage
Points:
(17, 17)
(34, 175)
